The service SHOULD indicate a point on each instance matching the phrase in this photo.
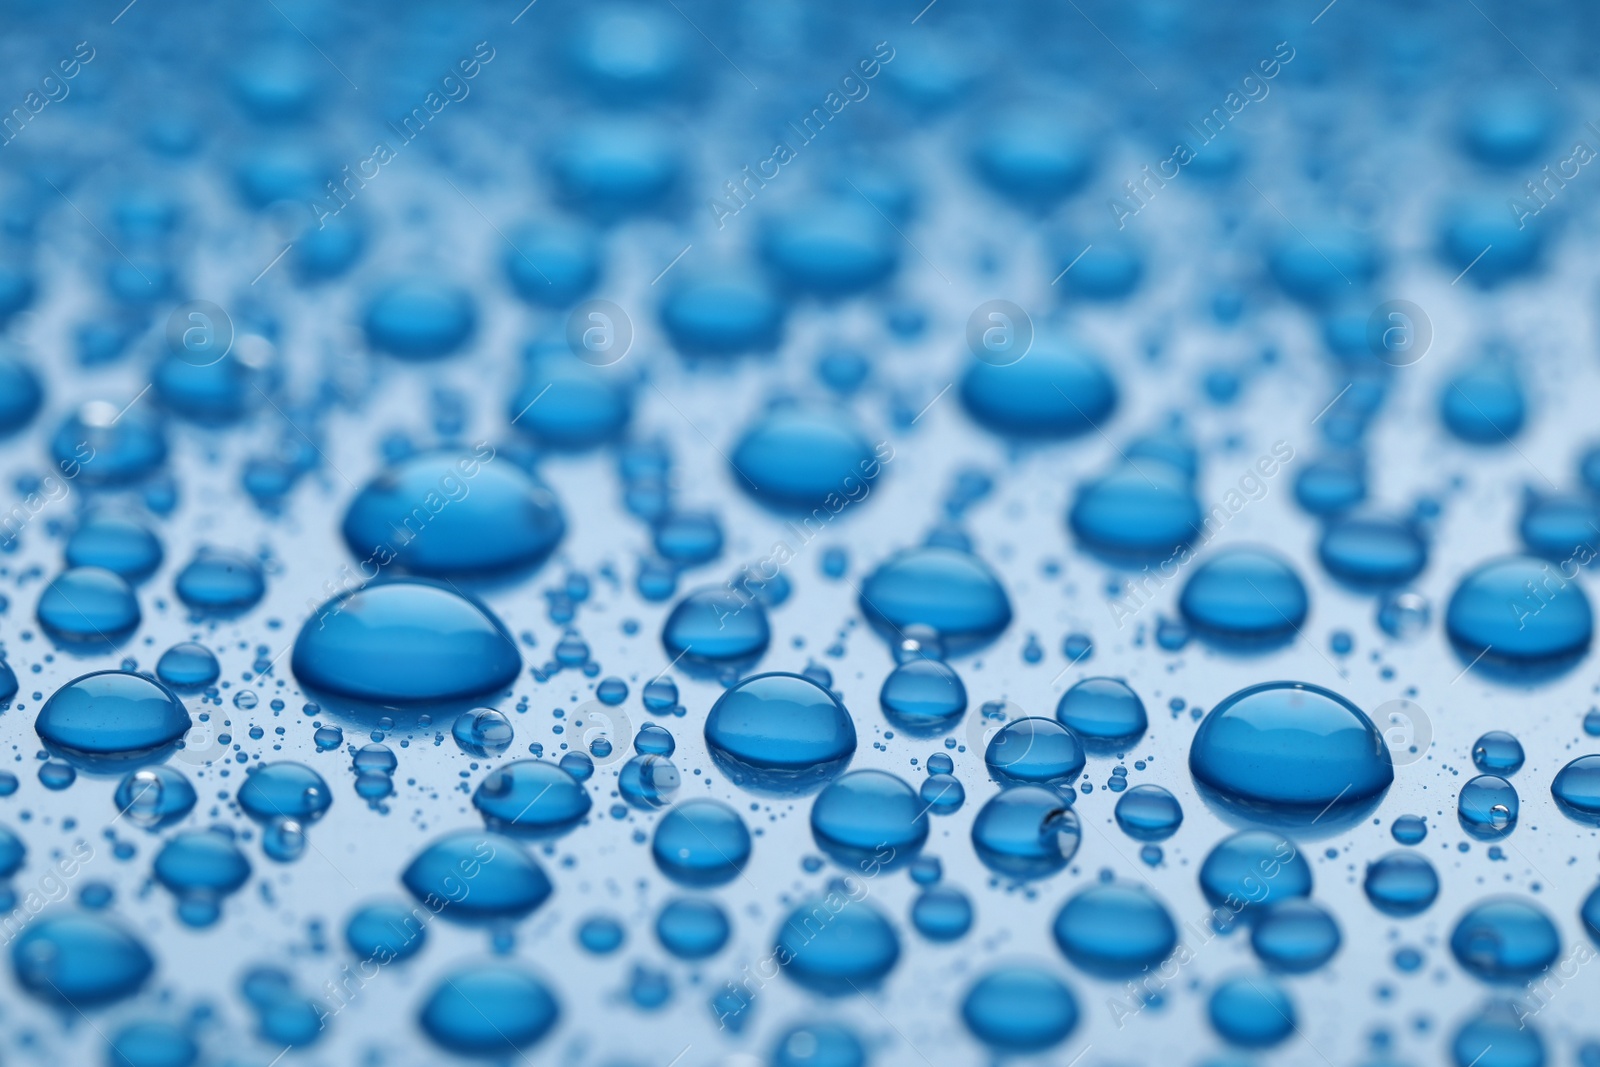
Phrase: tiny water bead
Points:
(1103, 712)
(1497, 752)
(714, 629)
(1244, 595)
(780, 732)
(799, 459)
(473, 876)
(951, 592)
(923, 697)
(1488, 807)
(1034, 751)
(1295, 936)
(1401, 884)
(1026, 832)
(386, 931)
(200, 868)
(1057, 391)
(79, 959)
(1370, 552)
(701, 843)
(1019, 1008)
(869, 819)
(837, 944)
(692, 928)
(1505, 940)
(532, 798)
(942, 913)
(488, 1010)
(1252, 1012)
(1115, 930)
(453, 514)
(419, 318)
(88, 606)
(188, 667)
(1576, 789)
(1143, 511)
(1290, 751)
(122, 546)
(1520, 611)
(154, 797)
(112, 718)
(482, 732)
(285, 790)
(1148, 813)
(403, 642)
(1253, 869)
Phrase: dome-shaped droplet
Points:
(1251, 1012)
(488, 1010)
(482, 732)
(1401, 883)
(1252, 869)
(112, 718)
(454, 515)
(1057, 391)
(200, 868)
(284, 790)
(1148, 813)
(404, 642)
(154, 797)
(780, 732)
(1105, 713)
(923, 697)
(1019, 1009)
(692, 928)
(220, 583)
(866, 818)
(1519, 611)
(1372, 552)
(1143, 511)
(119, 545)
(188, 667)
(1576, 789)
(502, 880)
(1242, 595)
(701, 843)
(386, 931)
(1115, 930)
(79, 959)
(1295, 936)
(1034, 751)
(721, 313)
(837, 944)
(1290, 752)
(715, 629)
(798, 459)
(570, 404)
(1499, 1034)
(1487, 807)
(829, 248)
(1026, 832)
(1505, 940)
(1498, 752)
(531, 797)
(954, 593)
(88, 607)
(419, 318)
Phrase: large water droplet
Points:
(109, 719)
(780, 732)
